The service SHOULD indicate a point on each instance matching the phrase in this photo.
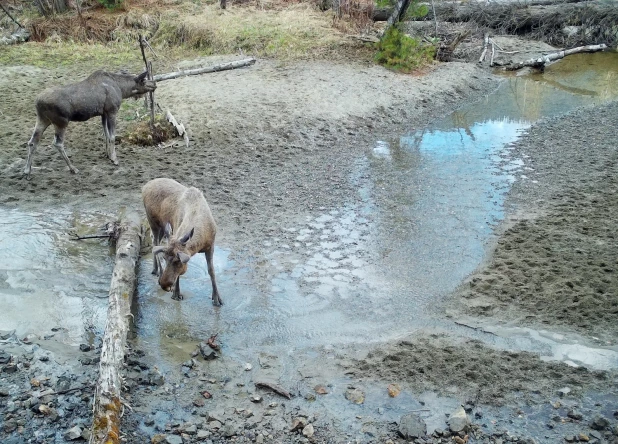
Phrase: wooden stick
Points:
(274, 387)
(484, 48)
(542, 61)
(107, 403)
(493, 53)
(151, 96)
(215, 68)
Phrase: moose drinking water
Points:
(99, 95)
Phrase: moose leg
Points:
(176, 293)
(59, 144)
(39, 129)
(156, 264)
(105, 133)
(216, 299)
(111, 133)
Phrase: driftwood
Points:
(180, 128)
(107, 402)
(540, 62)
(196, 71)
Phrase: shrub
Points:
(403, 53)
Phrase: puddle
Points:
(49, 281)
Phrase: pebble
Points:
(308, 431)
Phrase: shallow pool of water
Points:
(47, 280)
(427, 205)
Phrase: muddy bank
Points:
(555, 265)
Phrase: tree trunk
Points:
(107, 403)
(215, 68)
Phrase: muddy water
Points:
(427, 206)
(47, 280)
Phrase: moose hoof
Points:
(177, 298)
(74, 171)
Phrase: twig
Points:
(91, 236)
(151, 50)
(10, 16)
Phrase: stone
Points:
(207, 353)
(564, 391)
(478, 414)
(4, 392)
(596, 435)
(190, 430)
(583, 437)
(599, 423)
(259, 439)
(229, 430)
(203, 434)
(458, 421)
(84, 347)
(574, 414)
(570, 438)
(73, 433)
(173, 439)
(412, 426)
(308, 431)
(6, 334)
(10, 368)
(298, 424)
(355, 395)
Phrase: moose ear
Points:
(167, 232)
(184, 258)
(141, 77)
(187, 236)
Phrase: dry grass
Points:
(284, 32)
(140, 132)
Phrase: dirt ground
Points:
(269, 139)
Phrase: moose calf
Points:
(99, 95)
(183, 216)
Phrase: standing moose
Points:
(182, 215)
(99, 95)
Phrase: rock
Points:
(355, 395)
(583, 437)
(199, 402)
(73, 433)
(173, 439)
(412, 426)
(229, 430)
(4, 392)
(157, 379)
(459, 440)
(207, 353)
(320, 389)
(10, 425)
(458, 421)
(298, 424)
(570, 438)
(203, 434)
(308, 431)
(84, 347)
(574, 414)
(596, 435)
(599, 423)
(10, 368)
(63, 384)
(564, 391)
(248, 367)
(393, 390)
(478, 414)
(190, 430)
(259, 439)
(256, 398)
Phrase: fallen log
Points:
(107, 403)
(196, 71)
(541, 62)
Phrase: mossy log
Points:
(107, 402)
